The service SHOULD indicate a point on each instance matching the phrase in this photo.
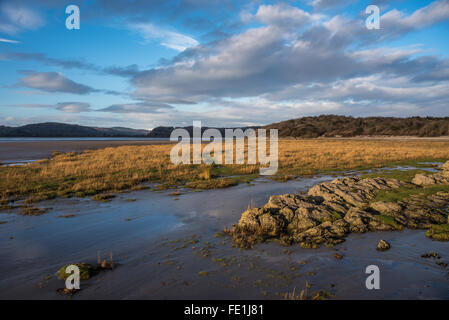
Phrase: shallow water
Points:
(37, 139)
(149, 239)
(14, 163)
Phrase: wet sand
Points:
(167, 248)
(13, 151)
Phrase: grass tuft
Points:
(438, 232)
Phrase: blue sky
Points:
(143, 64)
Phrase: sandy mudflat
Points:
(35, 150)
(168, 249)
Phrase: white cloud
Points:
(285, 72)
(52, 82)
(73, 107)
(296, 64)
(167, 38)
(435, 12)
(284, 15)
(326, 4)
(8, 40)
(140, 107)
(15, 18)
(68, 107)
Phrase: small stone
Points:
(445, 167)
(67, 292)
(441, 263)
(423, 180)
(338, 256)
(383, 245)
(431, 255)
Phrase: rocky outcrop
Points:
(427, 180)
(332, 210)
(438, 178)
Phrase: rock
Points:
(431, 255)
(427, 180)
(338, 256)
(352, 190)
(383, 245)
(325, 233)
(386, 208)
(445, 166)
(271, 225)
(441, 263)
(249, 219)
(438, 232)
(67, 292)
(358, 220)
(332, 210)
(423, 180)
(87, 271)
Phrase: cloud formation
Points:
(167, 38)
(8, 40)
(283, 15)
(126, 71)
(15, 18)
(52, 82)
(68, 107)
(259, 62)
(140, 107)
(319, 68)
(433, 13)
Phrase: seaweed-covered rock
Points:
(439, 232)
(87, 271)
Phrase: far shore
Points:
(442, 138)
(36, 150)
(11, 151)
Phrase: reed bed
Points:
(133, 167)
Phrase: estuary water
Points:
(167, 247)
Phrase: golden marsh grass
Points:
(131, 167)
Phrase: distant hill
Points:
(341, 126)
(54, 129)
(307, 127)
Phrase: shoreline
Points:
(38, 150)
(18, 151)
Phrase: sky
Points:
(227, 63)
